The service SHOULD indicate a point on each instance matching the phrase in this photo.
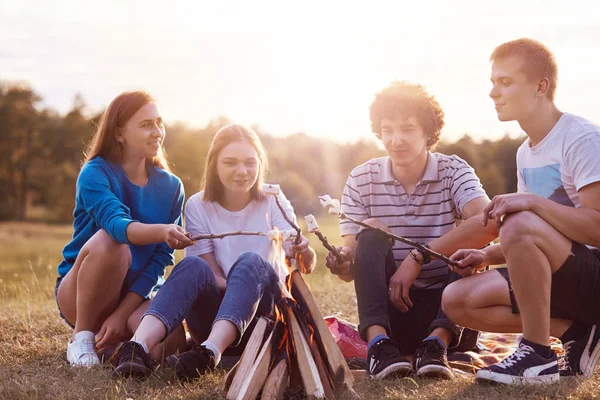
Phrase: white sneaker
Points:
(81, 350)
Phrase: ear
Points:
(119, 135)
(542, 87)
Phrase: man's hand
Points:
(402, 281)
(113, 330)
(507, 204)
(343, 266)
(470, 261)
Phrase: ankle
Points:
(375, 340)
(214, 349)
(542, 350)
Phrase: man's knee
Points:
(519, 226)
(453, 301)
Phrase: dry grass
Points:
(33, 338)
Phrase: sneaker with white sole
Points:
(581, 356)
(81, 351)
(522, 367)
(431, 361)
(386, 359)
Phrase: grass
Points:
(33, 338)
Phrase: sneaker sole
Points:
(435, 372)
(489, 376)
(589, 367)
(131, 370)
(400, 369)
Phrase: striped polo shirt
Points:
(429, 212)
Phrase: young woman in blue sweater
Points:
(127, 225)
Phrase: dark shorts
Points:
(60, 314)
(575, 289)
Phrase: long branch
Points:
(222, 235)
(289, 221)
(328, 246)
(418, 245)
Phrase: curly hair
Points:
(408, 99)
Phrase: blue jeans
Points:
(191, 293)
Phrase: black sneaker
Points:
(385, 358)
(431, 361)
(131, 360)
(192, 363)
(522, 367)
(581, 355)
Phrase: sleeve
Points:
(277, 219)
(101, 203)
(154, 271)
(521, 185)
(196, 224)
(352, 205)
(465, 186)
(582, 160)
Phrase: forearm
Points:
(127, 306)
(577, 224)
(142, 234)
(470, 234)
(494, 255)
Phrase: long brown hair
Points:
(213, 187)
(104, 143)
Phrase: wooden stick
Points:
(276, 382)
(222, 235)
(289, 221)
(329, 247)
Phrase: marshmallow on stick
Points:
(274, 190)
(333, 207)
(311, 223)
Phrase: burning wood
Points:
(296, 351)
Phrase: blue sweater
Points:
(107, 199)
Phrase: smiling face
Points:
(403, 139)
(143, 133)
(238, 168)
(515, 95)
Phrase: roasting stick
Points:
(313, 227)
(274, 191)
(333, 207)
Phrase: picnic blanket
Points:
(491, 347)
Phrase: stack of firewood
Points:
(292, 349)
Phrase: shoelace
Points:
(519, 354)
(563, 361)
(386, 349)
(84, 348)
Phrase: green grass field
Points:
(33, 338)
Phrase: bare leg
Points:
(90, 291)
(482, 302)
(534, 250)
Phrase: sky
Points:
(287, 67)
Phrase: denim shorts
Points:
(60, 314)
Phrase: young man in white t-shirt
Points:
(548, 236)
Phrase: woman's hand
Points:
(175, 237)
(113, 330)
(302, 253)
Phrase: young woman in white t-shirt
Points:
(222, 284)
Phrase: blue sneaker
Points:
(522, 367)
(385, 359)
(581, 356)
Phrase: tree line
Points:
(42, 150)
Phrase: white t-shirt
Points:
(566, 160)
(204, 217)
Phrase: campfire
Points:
(290, 349)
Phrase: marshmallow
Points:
(268, 188)
(332, 205)
(311, 223)
(284, 236)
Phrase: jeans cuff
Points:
(238, 324)
(364, 325)
(162, 319)
(454, 329)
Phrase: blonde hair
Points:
(213, 187)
